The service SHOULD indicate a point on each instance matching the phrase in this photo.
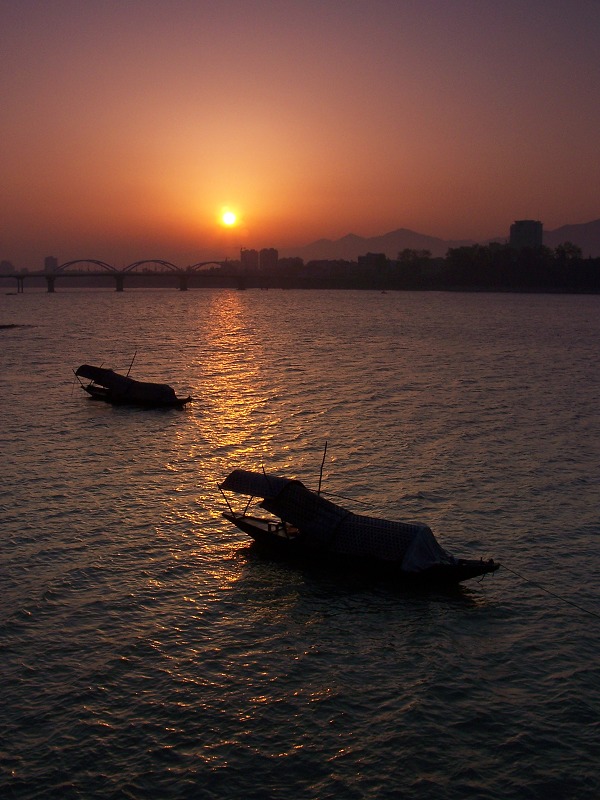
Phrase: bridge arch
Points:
(156, 261)
(100, 264)
(201, 264)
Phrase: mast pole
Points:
(321, 470)
(131, 365)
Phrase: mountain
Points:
(586, 235)
(351, 246)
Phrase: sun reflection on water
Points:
(231, 425)
(234, 388)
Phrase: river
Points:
(148, 652)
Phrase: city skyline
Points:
(130, 131)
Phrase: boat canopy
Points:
(327, 526)
(123, 388)
(254, 484)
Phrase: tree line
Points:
(498, 266)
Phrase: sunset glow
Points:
(449, 119)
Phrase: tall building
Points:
(268, 258)
(249, 259)
(50, 264)
(526, 233)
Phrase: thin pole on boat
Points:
(267, 478)
(229, 504)
(322, 465)
(131, 365)
(75, 378)
(331, 494)
(225, 498)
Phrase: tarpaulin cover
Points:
(325, 525)
(124, 388)
(254, 484)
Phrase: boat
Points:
(303, 524)
(111, 387)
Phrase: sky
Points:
(128, 127)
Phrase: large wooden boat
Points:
(303, 524)
(118, 389)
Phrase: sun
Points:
(228, 218)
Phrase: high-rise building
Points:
(526, 233)
(50, 264)
(249, 259)
(268, 258)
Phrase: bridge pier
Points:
(119, 280)
(50, 279)
(183, 283)
(20, 287)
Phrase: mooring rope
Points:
(352, 499)
(558, 596)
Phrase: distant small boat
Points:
(109, 386)
(306, 525)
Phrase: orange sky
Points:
(126, 128)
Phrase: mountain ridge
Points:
(585, 235)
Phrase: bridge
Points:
(204, 273)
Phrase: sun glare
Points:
(228, 218)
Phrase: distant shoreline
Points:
(38, 286)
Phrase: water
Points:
(148, 652)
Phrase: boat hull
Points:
(283, 541)
(106, 396)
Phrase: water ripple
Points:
(148, 651)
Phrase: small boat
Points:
(109, 386)
(305, 525)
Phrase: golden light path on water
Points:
(234, 425)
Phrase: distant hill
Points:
(350, 247)
(586, 235)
